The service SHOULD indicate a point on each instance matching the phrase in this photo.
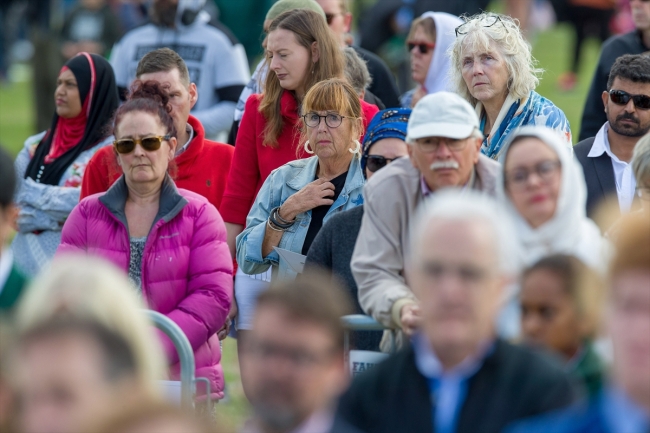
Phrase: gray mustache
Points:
(444, 164)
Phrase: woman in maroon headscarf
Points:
(52, 163)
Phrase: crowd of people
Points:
(509, 270)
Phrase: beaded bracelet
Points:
(275, 222)
(282, 220)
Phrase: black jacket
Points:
(599, 175)
(593, 116)
(513, 383)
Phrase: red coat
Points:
(253, 161)
(203, 168)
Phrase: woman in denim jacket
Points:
(299, 197)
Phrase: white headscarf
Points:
(437, 77)
(569, 231)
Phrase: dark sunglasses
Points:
(423, 46)
(376, 162)
(620, 97)
(152, 143)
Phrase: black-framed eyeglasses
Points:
(376, 162)
(518, 178)
(333, 120)
(620, 97)
(490, 21)
(151, 143)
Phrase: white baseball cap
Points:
(441, 114)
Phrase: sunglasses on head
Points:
(151, 143)
(488, 21)
(619, 97)
(376, 162)
(423, 46)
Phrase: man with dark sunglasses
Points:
(634, 42)
(605, 158)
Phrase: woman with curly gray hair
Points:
(493, 68)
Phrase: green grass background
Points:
(551, 48)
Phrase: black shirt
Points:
(318, 213)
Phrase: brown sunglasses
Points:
(151, 143)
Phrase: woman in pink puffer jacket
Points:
(170, 241)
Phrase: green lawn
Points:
(550, 48)
(15, 115)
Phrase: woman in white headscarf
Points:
(543, 189)
(428, 41)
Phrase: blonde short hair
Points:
(90, 288)
(478, 32)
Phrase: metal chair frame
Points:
(186, 359)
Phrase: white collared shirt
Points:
(190, 132)
(623, 174)
(6, 260)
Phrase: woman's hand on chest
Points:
(312, 195)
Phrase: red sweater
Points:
(202, 168)
(253, 162)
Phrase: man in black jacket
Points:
(605, 158)
(635, 42)
(457, 376)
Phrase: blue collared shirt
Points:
(448, 388)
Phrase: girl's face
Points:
(290, 61)
(549, 316)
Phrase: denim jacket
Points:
(282, 183)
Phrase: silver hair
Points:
(356, 71)
(472, 207)
(516, 51)
(641, 161)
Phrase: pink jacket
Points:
(186, 265)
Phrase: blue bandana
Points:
(390, 123)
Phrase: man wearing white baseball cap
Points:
(444, 151)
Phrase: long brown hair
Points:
(308, 27)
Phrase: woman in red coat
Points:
(301, 51)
